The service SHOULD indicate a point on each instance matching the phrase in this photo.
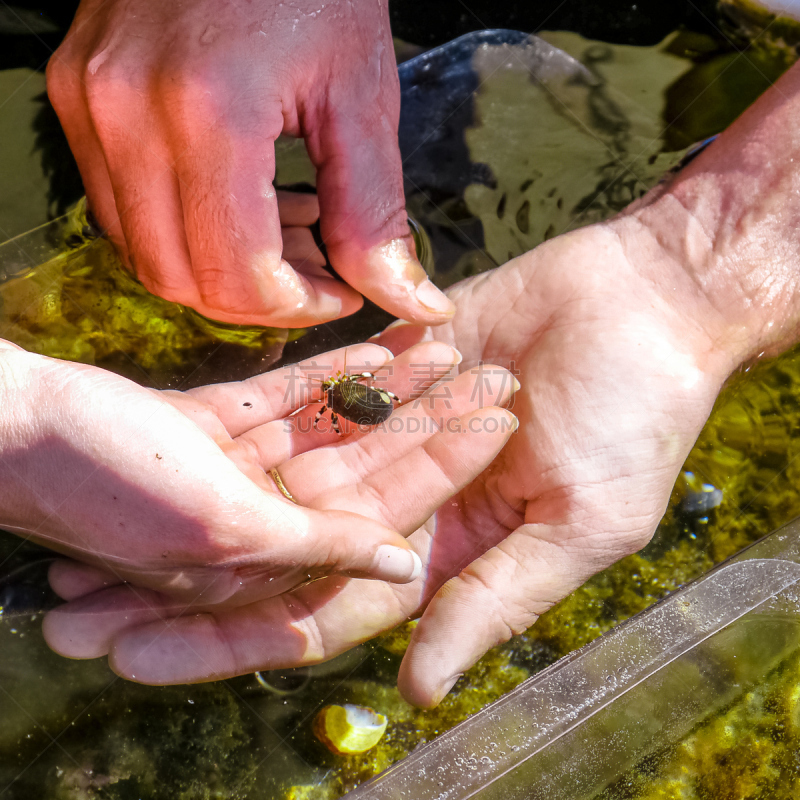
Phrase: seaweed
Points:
(160, 743)
(748, 750)
(82, 305)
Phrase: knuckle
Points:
(188, 90)
(114, 86)
(165, 286)
(106, 92)
(252, 451)
(59, 73)
(222, 288)
(482, 595)
(507, 589)
(63, 84)
(394, 223)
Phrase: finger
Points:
(384, 458)
(146, 621)
(333, 542)
(244, 405)
(443, 465)
(407, 376)
(291, 630)
(147, 197)
(68, 94)
(233, 228)
(499, 595)
(401, 335)
(86, 626)
(297, 209)
(300, 249)
(71, 579)
(362, 207)
(147, 224)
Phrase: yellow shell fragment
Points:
(349, 729)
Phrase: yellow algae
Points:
(747, 751)
(81, 305)
(349, 729)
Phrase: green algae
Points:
(81, 305)
(747, 751)
(751, 23)
(159, 743)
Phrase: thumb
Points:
(363, 218)
(499, 595)
(401, 335)
(344, 543)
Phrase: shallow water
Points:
(527, 160)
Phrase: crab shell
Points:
(364, 405)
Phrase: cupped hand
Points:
(172, 491)
(351, 493)
(172, 111)
(619, 361)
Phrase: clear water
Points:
(529, 160)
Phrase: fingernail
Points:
(434, 300)
(514, 421)
(395, 564)
(398, 323)
(517, 386)
(330, 306)
(387, 352)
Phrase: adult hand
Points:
(172, 491)
(172, 111)
(219, 553)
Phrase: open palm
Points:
(209, 528)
